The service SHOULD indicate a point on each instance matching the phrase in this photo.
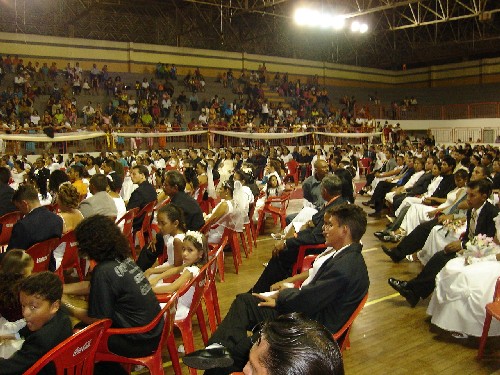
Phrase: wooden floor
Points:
(388, 336)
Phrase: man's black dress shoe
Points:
(402, 288)
(391, 254)
(375, 215)
(380, 234)
(208, 358)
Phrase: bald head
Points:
(321, 169)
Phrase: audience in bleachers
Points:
(162, 170)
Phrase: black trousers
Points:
(148, 256)
(424, 284)
(415, 240)
(378, 197)
(243, 316)
(369, 178)
(279, 268)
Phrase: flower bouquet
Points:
(480, 248)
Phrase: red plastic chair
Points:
(128, 222)
(40, 252)
(153, 362)
(70, 258)
(364, 165)
(53, 207)
(210, 295)
(342, 335)
(293, 171)
(162, 203)
(7, 222)
(204, 204)
(232, 239)
(145, 231)
(302, 253)
(280, 211)
(75, 355)
(492, 310)
(185, 325)
(306, 265)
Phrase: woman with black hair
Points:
(117, 289)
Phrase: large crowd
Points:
(163, 102)
(441, 202)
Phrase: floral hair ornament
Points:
(196, 235)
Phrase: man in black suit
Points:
(285, 252)
(174, 186)
(38, 223)
(479, 221)
(420, 186)
(328, 295)
(144, 194)
(6, 193)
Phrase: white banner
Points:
(259, 135)
(80, 136)
(58, 137)
(349, 135)
(158, 135)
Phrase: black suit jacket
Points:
(484, 224)
(140, 197)
(6, 205)
(420, 187)
(37, 226)
(193, 215)
(36, 344)
(446, 185)
(334, 293)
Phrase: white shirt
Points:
(320, 260)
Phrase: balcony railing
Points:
(433, 112)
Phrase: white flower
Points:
(196, 235)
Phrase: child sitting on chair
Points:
(46, 324)
(194, 256)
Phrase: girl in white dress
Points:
(173, 228)
(273, 188)
(229, 213)
(194, 256)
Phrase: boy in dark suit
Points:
(46, 324)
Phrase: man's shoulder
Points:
(490, 208)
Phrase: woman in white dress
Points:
(464, 287)
(420, 213)
(18, 174)
(91, 168)
(226, 167)
(462, 291)
(440, 235)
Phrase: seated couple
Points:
(331, 291)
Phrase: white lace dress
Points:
(461, 294)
